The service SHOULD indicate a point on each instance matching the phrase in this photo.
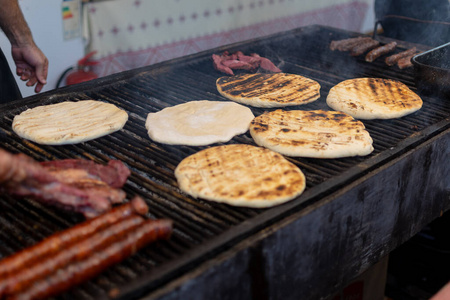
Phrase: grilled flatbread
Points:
(69, 122)
(198, 123)
(240, 175)
(318, 133)
(373, 98)
(269, 90)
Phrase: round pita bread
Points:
(69, 122)
(198, 123)
(240, 175)
(317, 134)
(269, 90)
(373, 98)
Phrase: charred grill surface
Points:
(201, 229)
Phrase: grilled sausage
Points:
(63, 239)
(90, 267)
(76, 252)
(348, 44)
(405, 62)
(363, 47)
(377, 52)
(393, 59)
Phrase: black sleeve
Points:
(8, 85)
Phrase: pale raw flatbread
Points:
(198, 123)
(317, 133)
(240, 175)
(269, 90)
(373, 98)
(69, 122)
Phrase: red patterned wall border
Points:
(348, 16)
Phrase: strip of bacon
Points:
(227, 62)
(114, 174)
(70, 189)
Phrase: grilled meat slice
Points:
(70, 189)
(114, 174)
(227, 62)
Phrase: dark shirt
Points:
(9, 91)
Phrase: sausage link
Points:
(79, 272)
(347, 44)
(63, 239)
(377, 52)
(76, 252)
(363, 47)
(405, 62)
(393, 59)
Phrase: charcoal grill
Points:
(353, 212)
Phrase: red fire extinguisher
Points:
(82, 71)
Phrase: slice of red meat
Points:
(266, 64)
(115, 173)
(70, 189)
(237, 64)
(254, 61)
(219, 66)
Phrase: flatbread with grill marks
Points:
(240, 175)
(269, 90)
(69, 122)
(317, 134)
(373, 98)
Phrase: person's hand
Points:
(31, 65)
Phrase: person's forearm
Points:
(13, 23)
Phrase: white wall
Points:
(44, 18)
(369, 22)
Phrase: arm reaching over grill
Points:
(77, 189)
